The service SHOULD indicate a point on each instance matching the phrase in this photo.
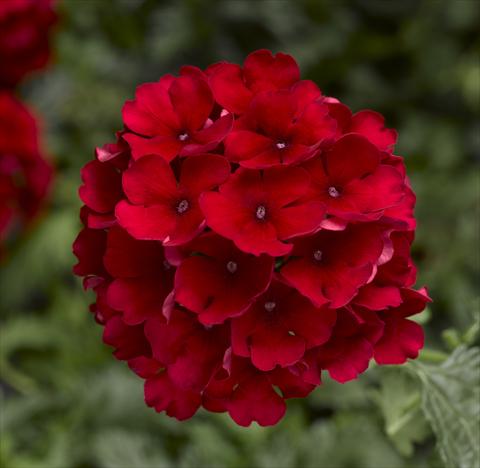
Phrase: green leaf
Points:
(399, 398)
(118, 448)
(451, 403)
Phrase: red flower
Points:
(161, 208)
(25, 174)
(330, 267)
(24, 38)
(172, 117)
(234, 87)
(352, 183)
(259, 209)
(142, 278)
(348, 353)
(163, 395)
(245, 234)
(402, 338)
(279, 327)
(367, 123)
(279, 128)
(190, 352)
(217, 281)
(248, 394)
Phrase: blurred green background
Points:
(67, 403)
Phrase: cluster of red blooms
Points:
(244, 233)
(25, 175)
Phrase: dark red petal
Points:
(413, 302)
(255, 400)
(284, 184)
(186, 227)
(275, 348)
(372, 125)
(243, 182)
(151, 112)
(208, 138)
(243, 145)
(303, 275)
(223, 215)
(102, 187)
(204, 172)
(258, 238)
(341, 284)
(291, 385)
(144, 367)
(305, 92)
(163, 395)
(126, 257)
(341, 113)
(350, 359)
(100, 221)
(375, 297)
(155, 222)
(242, 328)
(382, 189)
(313, 324)
(401, 216)
(264, 71)
(273, 113)
(402, 340)
(292, 154)
(299, 219)
(316, 170)
(313, 125)
(89, 247)
(352, 157)
(203, 284)
(168, 338)
(149, 180)
(167, 146)
(229, 89)
(201, 357)
(192, 70)
(192, 100)
(129, 342)
(138, 298)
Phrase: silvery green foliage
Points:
(451, 403)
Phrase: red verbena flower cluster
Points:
(24, 38)
(25, 174)
(245, 233)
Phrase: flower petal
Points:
(192, 100)
(149, 180)
(229, 89)
(264, 71)
(351, 157)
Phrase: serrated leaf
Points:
(451, 403)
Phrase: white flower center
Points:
(182, 206)
(317, 255)
(232, 266)
(281, 145)
(333, 192)
(183, 136)
(269, 306)
(261, 212)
